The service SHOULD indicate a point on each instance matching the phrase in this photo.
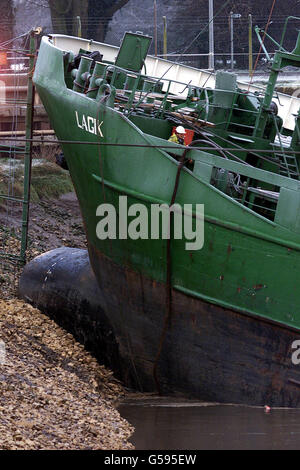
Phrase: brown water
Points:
(183, 425)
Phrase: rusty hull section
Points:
(208, 352)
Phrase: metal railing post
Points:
(28, 147)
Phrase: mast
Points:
(211, 61)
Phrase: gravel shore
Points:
(53, 393)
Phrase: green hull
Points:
(248, 264)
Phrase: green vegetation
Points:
(48, 180)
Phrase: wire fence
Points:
(16, 117)
(222, 61)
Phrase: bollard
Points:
(83, 74)
(98, 73)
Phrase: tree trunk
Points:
(94, 16)
(104, 11)
(7, 20)
(59, 15)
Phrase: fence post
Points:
(165, 37)
(78, 26)
(250, 45)
(28, 146)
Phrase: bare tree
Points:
(6, 20)
(104, 10)
(94, 16)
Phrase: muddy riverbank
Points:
(53, 393)
(53, 223)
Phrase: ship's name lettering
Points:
(89, 124)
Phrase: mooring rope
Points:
(168, 312)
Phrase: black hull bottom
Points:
(62, 285)
(209, 353)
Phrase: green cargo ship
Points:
(215, 323)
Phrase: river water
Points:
(166, 424)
